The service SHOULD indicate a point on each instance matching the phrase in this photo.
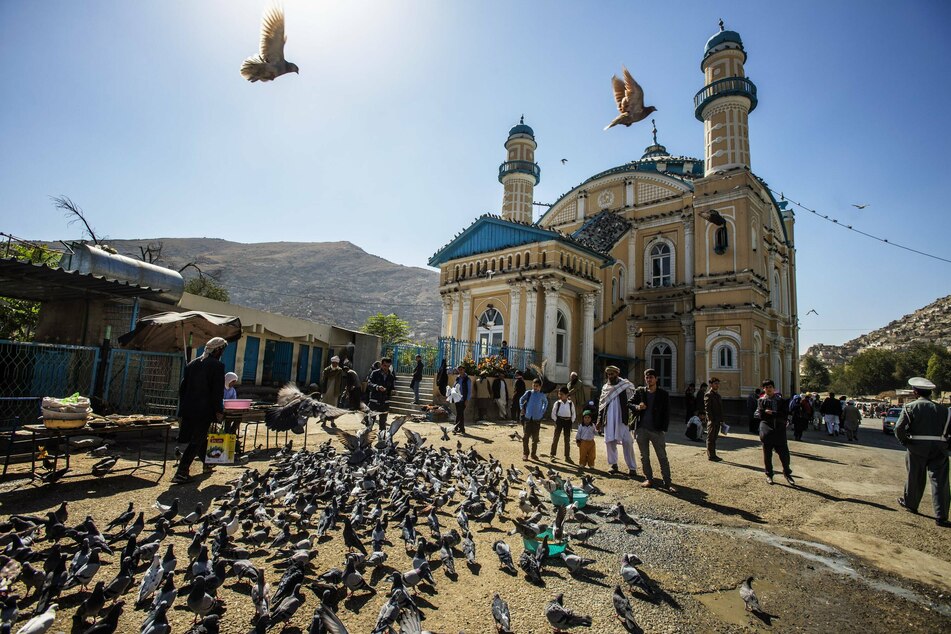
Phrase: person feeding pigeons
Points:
(200, 404)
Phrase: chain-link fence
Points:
(143, 382)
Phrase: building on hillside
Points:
(682, 264)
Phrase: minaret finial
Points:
(721, 24)
(655, 131)
(521, 120)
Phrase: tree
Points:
(207, 287)
(18, 317)
(913, 361)
(939, 370)
(390, 328)
(814, 375)
(872, 371)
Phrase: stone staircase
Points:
(401, 402)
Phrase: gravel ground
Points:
(835, 554)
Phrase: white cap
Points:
(229, 377)
(335, 358)
(921, 383)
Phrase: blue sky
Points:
(391, 135)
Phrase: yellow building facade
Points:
(671, 262)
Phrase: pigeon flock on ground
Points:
(406, 513)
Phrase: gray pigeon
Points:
(748, 596)
(269, 63)
(500, 612)
(623, 608)
(632, 575)
(561, 617)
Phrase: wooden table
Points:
(41, 435)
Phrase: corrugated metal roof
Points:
(41, 283)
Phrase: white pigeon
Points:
(40, 623)
(269, 63)
(152, 579)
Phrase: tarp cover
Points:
(172, 332)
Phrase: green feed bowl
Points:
(559, 498)
(554, 548)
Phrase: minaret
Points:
(519, 174)
(725, 103)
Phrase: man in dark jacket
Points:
(200, 404)
(651, 408)
(922, 429)
(380, 386)
(831, 410)
(771, 411)
(417, 379)
(517, 390)
(352, 390)
(713, 405)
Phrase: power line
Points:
(859, 231)
(322, 299)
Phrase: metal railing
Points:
(455, 350)
(133, 381)
(722, 88)
(520, 167)
(404, 358)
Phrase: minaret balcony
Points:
(728, 87)
(520, 167)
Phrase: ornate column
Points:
(548, 335)
(531, 314)
(631, 260)
(464, 322)
(690, 349)
(582, 204)
(515, 305)
(456, 304)
(688, 248)
(587, 338)
(446, 315)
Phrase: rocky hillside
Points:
(931, 324)
(330, 282)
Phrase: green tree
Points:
(390, 328)
(18, 317)
(872, 371)
(913, 361)
(939, 370)
(207, 287)
(814, 375)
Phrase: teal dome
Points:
(521, 128)
(723, 40)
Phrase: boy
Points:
(563, 413)
(695, 427)
(584, 438)
(533, 405)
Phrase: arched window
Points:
(489, 331)
(494, 269)
(561, 339)
(720, 240)
(528, 258)
(613, 291)
(544, 258)
(774, 292)
(620, 283)
(661, 358)
(724, 356)
(471, 269)
(510, 262)
(518, 260)
(661, 265)
(456, 277)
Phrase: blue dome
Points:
(723, 40)
(521, 128)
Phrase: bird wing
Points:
(618, 86)
(395, 426)
(349, 441)
(633, 92)
(272, 36)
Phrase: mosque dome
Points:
(521, 128)
(723, 40)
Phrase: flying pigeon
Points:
(813, 312)
(630, 101)
(713, 216)
(563, 161)
(269, 63)
(860, 206)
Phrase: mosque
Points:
(680, 264)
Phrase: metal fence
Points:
(132, 381)
(404, 358)
(455, 350)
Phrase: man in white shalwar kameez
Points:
(613, 416)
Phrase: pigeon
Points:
(576, 563)
(632, 575)
(285, 610)
(120, 584)
(122, 519)
(261, 594)
(167, 511)
(353, 580)
(329, 620)
(269, 63)
(445, 433)
(624, 612)
(90, 608)
(561, 617)
(9, 613)
(812, 311)
(529, 564)
(109, 623)
(199, 601)
(862, 206)
(748, 596)
(584, 534)
(500, 612)
(505, 555)
(85, 573)
(630, 101)
(713, 217)
(563, 161)
(40, 623)
(152, 579)
(468, 548)
(167, 594)
(103, 467)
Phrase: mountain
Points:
(931, 324)
(330, 282)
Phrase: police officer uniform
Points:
(922, 429)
